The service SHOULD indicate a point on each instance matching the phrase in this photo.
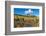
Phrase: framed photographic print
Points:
(24, 17)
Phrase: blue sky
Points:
(24, 11)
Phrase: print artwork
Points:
(26, 17)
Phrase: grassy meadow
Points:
(26, 21)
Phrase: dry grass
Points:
(33, 21)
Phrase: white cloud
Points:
(29, 11)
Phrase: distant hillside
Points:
(25, 15)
